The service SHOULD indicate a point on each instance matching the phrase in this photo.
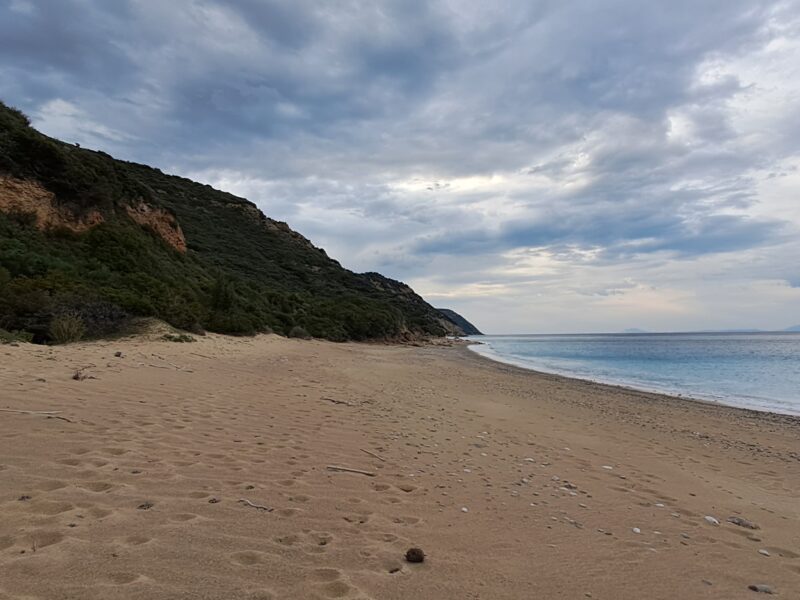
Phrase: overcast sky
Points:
(537, 165)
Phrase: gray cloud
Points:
(442, 141)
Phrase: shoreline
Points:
(516, 484)
(634, 392)
(674, 395)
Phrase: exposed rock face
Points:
(160, 222)
(465, 326)
(29, 197)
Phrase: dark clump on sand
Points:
(415, 555)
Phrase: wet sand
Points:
(515, 484)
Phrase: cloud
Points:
(488, 153)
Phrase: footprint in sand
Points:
(49, 485)
(44, 538)
(6, 542)
(97, 486)
(247, 558)
(261, 595)
(122, 578)
(51, 508)
(336, 589)
(182, 517)
(137, 540)
(326, 575)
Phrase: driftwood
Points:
(380, 458)
(256, 506)
(31, 412)
(48, 414)
(349, 470)
(334, 401)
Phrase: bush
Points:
(11, 337)
(299, 332)
(67, 328)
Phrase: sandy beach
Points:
(200, 470)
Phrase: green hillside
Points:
(84, 236)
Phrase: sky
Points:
(536, 165)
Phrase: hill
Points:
(90, 241)
(460, 322)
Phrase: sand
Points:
(515, 484)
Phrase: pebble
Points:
(711, 520)
(464, 509)
(743, 523)
(608, 467)
(636, 530)
(659, 505)
(764, 552)
(761, 588)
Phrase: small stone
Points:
(763, 552)
(760, 588)
(707, 582)
(659, 505)
(118, 354)
(23, 498)
(464, 509)
(145, 506)
(711, 520)
(608, 467)
(415, 555)
(213, 500)
(743, 523)
(636, 530)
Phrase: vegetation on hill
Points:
(459, 321)
(90, 241)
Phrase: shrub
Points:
(67, 328)
(299, 332)
(10, 337)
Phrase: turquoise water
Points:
(753, 370)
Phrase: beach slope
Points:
(148, 469)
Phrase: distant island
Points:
(795, 329)
(88, 242)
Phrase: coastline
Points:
(572, 489)
(633, 392)
(706, 398)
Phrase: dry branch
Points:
(349, 470)
(256, 506)
(380, 458)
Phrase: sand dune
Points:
(516, 485)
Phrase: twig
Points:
(256, 506)
(157, 366)
(338, 401)
(380, 458)
(62, 418)
(349, 470)
(201, 355)
(31, 412)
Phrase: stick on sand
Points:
(349, 470)
(31, 412)
(256, 506)
(380, 458)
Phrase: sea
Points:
(760, 371)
